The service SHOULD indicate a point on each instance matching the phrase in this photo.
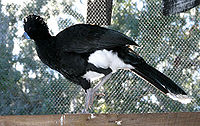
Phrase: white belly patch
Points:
(105, 59)
(92, 76)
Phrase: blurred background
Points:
(169, 43)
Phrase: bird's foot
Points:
(89, 98)
(92, 91)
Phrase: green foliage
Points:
(125, 18)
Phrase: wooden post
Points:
(177, 6)
(99, 12)
(146, 119)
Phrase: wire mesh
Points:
(169, 43)
(99, 12)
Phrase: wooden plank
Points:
(147, 119)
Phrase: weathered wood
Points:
(177, 6)
(148, 119)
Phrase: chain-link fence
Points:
(169, 43)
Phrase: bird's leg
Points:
(91, 92)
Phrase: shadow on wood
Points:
(147, 119)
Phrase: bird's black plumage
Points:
(84, 50)
(68, 51)
(85, 38)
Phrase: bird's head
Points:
(36, 28)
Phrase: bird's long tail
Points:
(162, 82)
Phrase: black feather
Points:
(157, 79)
(84, 38)
(148, 73)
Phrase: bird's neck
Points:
(45, 43)
(46, 50)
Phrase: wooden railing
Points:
(147, 119)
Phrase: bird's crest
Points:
(35, 27)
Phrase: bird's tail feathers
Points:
(180, 97)
(162, 82)
(35, 27)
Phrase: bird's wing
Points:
(84, 38)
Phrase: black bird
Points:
(85, 52)
(177, 6)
